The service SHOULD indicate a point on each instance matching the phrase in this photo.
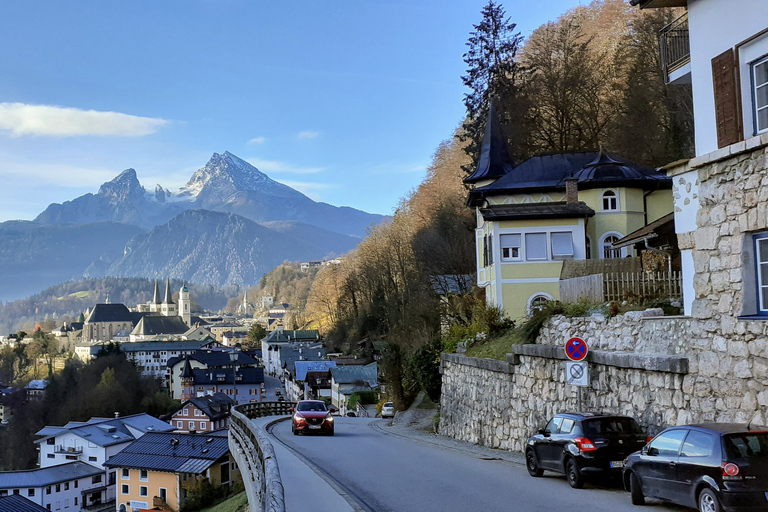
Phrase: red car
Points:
(312, 416)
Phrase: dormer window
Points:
(610, 201)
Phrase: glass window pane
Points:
(762, 96)
(698, 444)
(761, 73)
(562, 244)
(764, 298)
(762, 119)
(764, 274)
(668, 444)
(536, 246)
(762, 248)
(566, 427)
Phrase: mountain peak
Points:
(229, 175)
(126, 183)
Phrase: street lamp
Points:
(234, 356)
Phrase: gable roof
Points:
(301, 368)
(154, 324)
(18, 503)
(525, 211)
(203, 376)
(42, 477)
(214, 406)
(284, 336)
(112, 312)
(367, 374)
(108, 431)
(215, 358)
(149, 346)
(171, 452)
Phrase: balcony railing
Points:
(632, 287)
(675, 46)
(72, 450)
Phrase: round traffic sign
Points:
(576, 349)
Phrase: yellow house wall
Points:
(155, 480)
(516, 296)
(659, 204)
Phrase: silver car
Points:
(388, 410)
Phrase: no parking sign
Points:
(576, 349)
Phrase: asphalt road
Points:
(382, 472)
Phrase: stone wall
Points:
(710, 366)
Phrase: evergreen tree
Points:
(491, 74)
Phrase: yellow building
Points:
(160, 469)
(550, 208)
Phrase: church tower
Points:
(187, 382)
(168, 307)
(185, 305)
(154, 306)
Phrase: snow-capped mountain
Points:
(226, 184)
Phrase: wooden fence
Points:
(633, 287)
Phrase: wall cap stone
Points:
(492, 365)
(631, 360)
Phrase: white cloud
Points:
(257, 140)
(45, 120)
(307, 134)
(276, 166)
(311, 190)
(34, 175)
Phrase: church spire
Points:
(156, 296)
(168, 295)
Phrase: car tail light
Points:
(584, 444)
(648, 439)
(730, 469)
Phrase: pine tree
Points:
(491, 74)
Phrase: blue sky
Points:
(345, 101)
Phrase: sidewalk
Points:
(303, 488)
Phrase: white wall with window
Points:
(715, 27)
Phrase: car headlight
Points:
(329, 418)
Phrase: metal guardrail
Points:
(255, 455)
(674, 45)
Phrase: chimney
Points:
(571, 190)
(117, 415)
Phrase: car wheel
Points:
(635, 491)
(575, 478)
(708, 501)
(532, 464)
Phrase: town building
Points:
(280, 339)
(552, 208)
(346, 380)
(206, 372)
(92, 443)
(204, 413)
(18, 503)
(69, 487)
(159, 469)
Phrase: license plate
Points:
(314, 426)
(617, 464)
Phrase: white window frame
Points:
(143, 490)
(125, 474)
(502, 246)
(614, 196)
(532, 298)
(602, 247)
(546, 244)
(762, 308)
(125, 489)
(755, 86)
(564, 256)
(143, 475)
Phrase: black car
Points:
(713, 466)
(578, 444)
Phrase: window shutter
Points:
(726, 99)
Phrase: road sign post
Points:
(577, 371)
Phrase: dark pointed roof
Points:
(494, 160)
(156, 296)
(168, 295)
(153, 324)
(186, 373)
(113, 312)
(606, 171)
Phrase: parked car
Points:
(580, 444)
(312, 416)
(388, 410)
(710, 466)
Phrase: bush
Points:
(364, 397)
